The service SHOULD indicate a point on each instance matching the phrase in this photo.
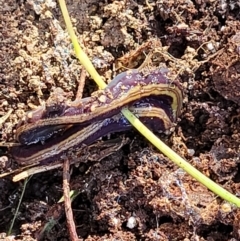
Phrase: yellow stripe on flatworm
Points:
(153, 112)
(62, 146)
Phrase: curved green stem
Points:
(84, 60)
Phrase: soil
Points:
(135, 193)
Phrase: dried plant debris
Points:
(133, 192)
(226, 67)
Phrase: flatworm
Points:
(153, 97)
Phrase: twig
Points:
(81, 84)
(5, 117)
(32, 171)
(67, 201)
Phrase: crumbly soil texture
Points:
(134, 193)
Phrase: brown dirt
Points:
(198, 41)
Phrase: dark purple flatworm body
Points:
(155, 99)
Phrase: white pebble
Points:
(132, 222)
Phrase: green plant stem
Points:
(173, 156)
(18, 206)
(84, 60)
